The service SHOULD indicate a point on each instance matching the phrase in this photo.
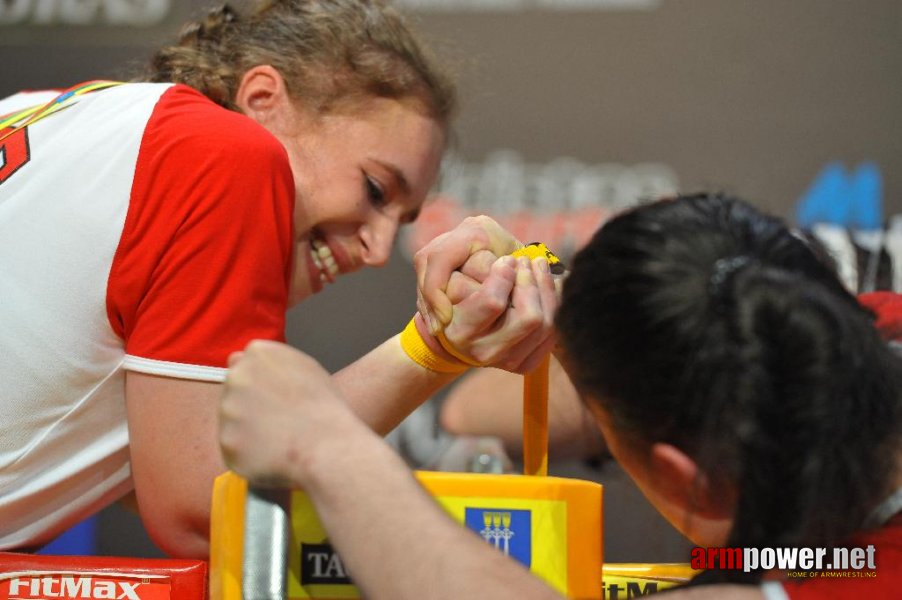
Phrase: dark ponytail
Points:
(702, 323)
(818, 412)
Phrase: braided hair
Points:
(702, 323)
(328, 52)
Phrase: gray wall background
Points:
(748, 96)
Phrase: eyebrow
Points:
(397, 174)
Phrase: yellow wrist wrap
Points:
(413, 345)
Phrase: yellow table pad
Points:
(552, 525)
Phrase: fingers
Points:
(461, 287)
(432, 276)
(479, 265)
(274, 396)
(532, 360)
(508, 322)
(468, 278)
(465, 280)
(447, 253)
(234, 357)
(481, 309)
(523, 326)
(527, 333)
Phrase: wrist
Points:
(425, 350)
(432, 342)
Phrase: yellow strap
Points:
(535, 392)
(450, 349)
(536, 250)
(18, 116)
(33, 114)
(413, 345)
(535, 420)
(535, 383)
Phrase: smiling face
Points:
(360, 171)
(359, 175)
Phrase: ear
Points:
(683, 484)
(262, 93)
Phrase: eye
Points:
(374, 192)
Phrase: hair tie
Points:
(723, 269)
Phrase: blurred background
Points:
(572, 110)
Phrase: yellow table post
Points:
(535, 420)
(535, 392)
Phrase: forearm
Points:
(385, 385)
(490, 402)
(399, 544)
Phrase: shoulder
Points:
(187, 117)
(208, 152)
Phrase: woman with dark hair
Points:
(734, 377)
(747, 393)
(149, 229)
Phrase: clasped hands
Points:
(495, 309)
(281, 409)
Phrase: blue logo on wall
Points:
(847, 198)
(510, 531)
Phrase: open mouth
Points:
(322, 258)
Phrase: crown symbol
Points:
(497, 530)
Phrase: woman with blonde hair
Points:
(149, 229)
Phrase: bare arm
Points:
(175, 457)
(490, 402)
(506, 321)
(399, 544)
(385, 386)
(283, 422)
(289, 426)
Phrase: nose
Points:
(377, 238)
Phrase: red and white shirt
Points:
(142, 229)
(882, 583)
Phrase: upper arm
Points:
(204, 260)
(175, 457)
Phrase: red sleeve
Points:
(880, 583)
(204, 262)
(888, 308)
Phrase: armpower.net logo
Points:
(796, 562)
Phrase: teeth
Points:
(331, 265)
(324, 261)
(316, 260)
(323, 258)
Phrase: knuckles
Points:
(530, 317)
(494, 304)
